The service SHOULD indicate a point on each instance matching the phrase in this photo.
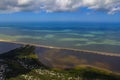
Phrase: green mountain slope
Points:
(23, 64)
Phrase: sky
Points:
(60, 10)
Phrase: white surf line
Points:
(77, 50)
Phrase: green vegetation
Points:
(23, 64)
(92, 73)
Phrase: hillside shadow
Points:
(19, 61)
(23, 60)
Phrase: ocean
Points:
(102, 37)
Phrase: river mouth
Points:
(69, 58)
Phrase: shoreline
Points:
(99, 57)
(51, 47)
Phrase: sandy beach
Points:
(51, 47)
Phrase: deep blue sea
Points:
(104, 37)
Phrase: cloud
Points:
(10, 6)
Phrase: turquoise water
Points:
(102, 37)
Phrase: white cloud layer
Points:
(9, 6)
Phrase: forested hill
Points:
(23, 64)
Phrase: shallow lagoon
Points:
(70, 58)
(103, 37)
